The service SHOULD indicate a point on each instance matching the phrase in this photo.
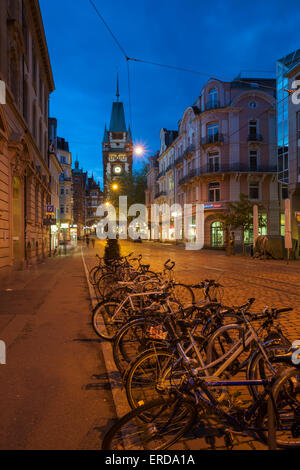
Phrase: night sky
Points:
(218, 38)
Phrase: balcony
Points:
(160, 194)
(170, 167)
(191, 174)
(189, 151)
(212, 139)
(212, 105)
(161, 173)
(210, 169)
(178, 160)
(255, 137)
(237, 168)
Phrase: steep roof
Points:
(117, 120)
(105, 137)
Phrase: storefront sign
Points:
(213, 206)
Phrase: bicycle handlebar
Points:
(169, 265)
(282, 310)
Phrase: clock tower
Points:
(117, 147)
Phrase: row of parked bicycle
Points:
(191, 364)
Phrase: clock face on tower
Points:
(117, 169)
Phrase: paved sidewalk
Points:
(55, 392)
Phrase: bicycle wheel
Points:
(286, 394)
(155, 426)
(92, 274)
(106, 322)
(152, 375)
(223, 343)
(106, 283)
(259, 369)
(132, 340)
(182, 293)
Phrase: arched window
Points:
(213, 98)
(216, 234)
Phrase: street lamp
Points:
(107, 203)
(115, 187)
(138, 150)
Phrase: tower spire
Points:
(117, 94)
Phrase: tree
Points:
(131, 185)
(240, 215)
(112, 250)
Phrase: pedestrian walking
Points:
(93, 242)
(87, 240)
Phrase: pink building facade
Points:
(226, 145)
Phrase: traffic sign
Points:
(50, 210)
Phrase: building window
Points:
(25, 102)
(213, 161)
(34, 66)
(36, 202)
(254, 191)
(212, 98)
(34, 121)
(214, 192)
(252, 128)
(252, 104)
(14, 76)
(282, 225)
(213, 131)
(41, 137)
(284, 192)
(253, 160)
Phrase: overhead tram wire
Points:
(123, 52)
(108, 28)
(174, 67)
(197, 72)
(129, 93)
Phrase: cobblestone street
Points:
(272, 283)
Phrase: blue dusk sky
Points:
(218, 37)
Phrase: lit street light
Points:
(115, 187)
(139, 150)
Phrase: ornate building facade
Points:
(25, 183)
(117, 147)
(226, 145)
